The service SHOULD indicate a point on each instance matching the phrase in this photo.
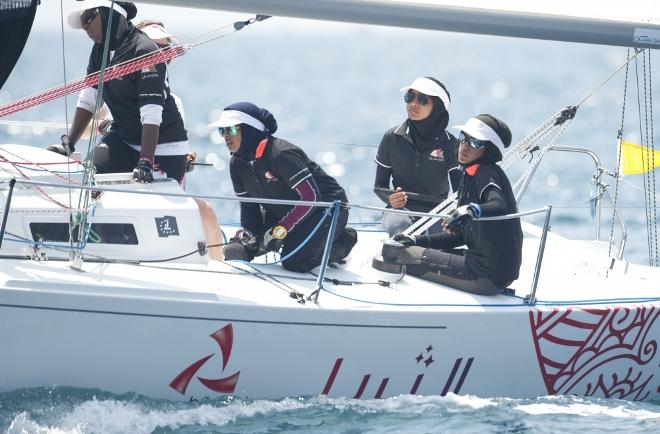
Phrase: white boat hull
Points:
(149, 344)
(191, 328)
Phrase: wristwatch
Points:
(279, 232)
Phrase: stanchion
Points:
(336, 207)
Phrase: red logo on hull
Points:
(225, 339)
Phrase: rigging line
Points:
(35, 124)
(46, 195)
(66, 107)
(560, 121)
(616, 71)
(84, 196)
(647, 175)
(617, 176)
(641, 135)
(17, 164)
(90, 80)
(118, 70)
(650, 115)
(650, 174)
(260, 275)
(247, 272)
(637, 187)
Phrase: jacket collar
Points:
(471, 169)
(403, 130)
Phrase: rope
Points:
(552, 128)
(649, 116)
(616, 175)
(121, 69)
(644, 140)
(84, 196)
(111, 73)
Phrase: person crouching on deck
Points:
(492, 259)
(264, 166)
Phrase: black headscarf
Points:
(251, 136)
(425, 132)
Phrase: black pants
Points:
(113, 155)
(450, 268)
(311, 254)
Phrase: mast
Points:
(432, 15)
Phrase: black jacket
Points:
(274, 173)
(125, 95)
(425, 169)
(494, 248)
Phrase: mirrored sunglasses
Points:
(88, 16)
(474, 143)
(410, 96)
(229, 131)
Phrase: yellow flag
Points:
(636, 159)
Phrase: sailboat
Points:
(103, 286)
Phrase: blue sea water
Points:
(334, 91)
(74, 411)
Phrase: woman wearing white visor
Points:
(419, 156)
(147, 131)
(264, 166)
(492, 259)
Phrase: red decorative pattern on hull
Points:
(597, 352)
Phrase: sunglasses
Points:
(474, 143)
(230, 131)
(410, 96)
(88, 16)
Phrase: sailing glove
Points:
(64, 148)
(144, 171)
(461, 215)
(242, 246)
(274, 238)
(405, 240)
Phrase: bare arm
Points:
(80, 121)
(149, 141)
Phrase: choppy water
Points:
(334, 92)
(73, 411)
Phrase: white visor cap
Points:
(479, 130)
(429, 87)
(229, 118)
(74, 17)
(156, 31)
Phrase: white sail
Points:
(630, 24)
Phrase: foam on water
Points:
(78, 411)
(589, 409)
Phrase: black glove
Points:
(457, 219)
(247, 240)
(143, 172)
(104, 126)
(274, 238)
(191, 158)
(64, 148)
(406, 240)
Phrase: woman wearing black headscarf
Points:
(492, 259)
(264, 166)
(147, 131)
(419, 156)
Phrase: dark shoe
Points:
(381, 265)
(343, 245)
